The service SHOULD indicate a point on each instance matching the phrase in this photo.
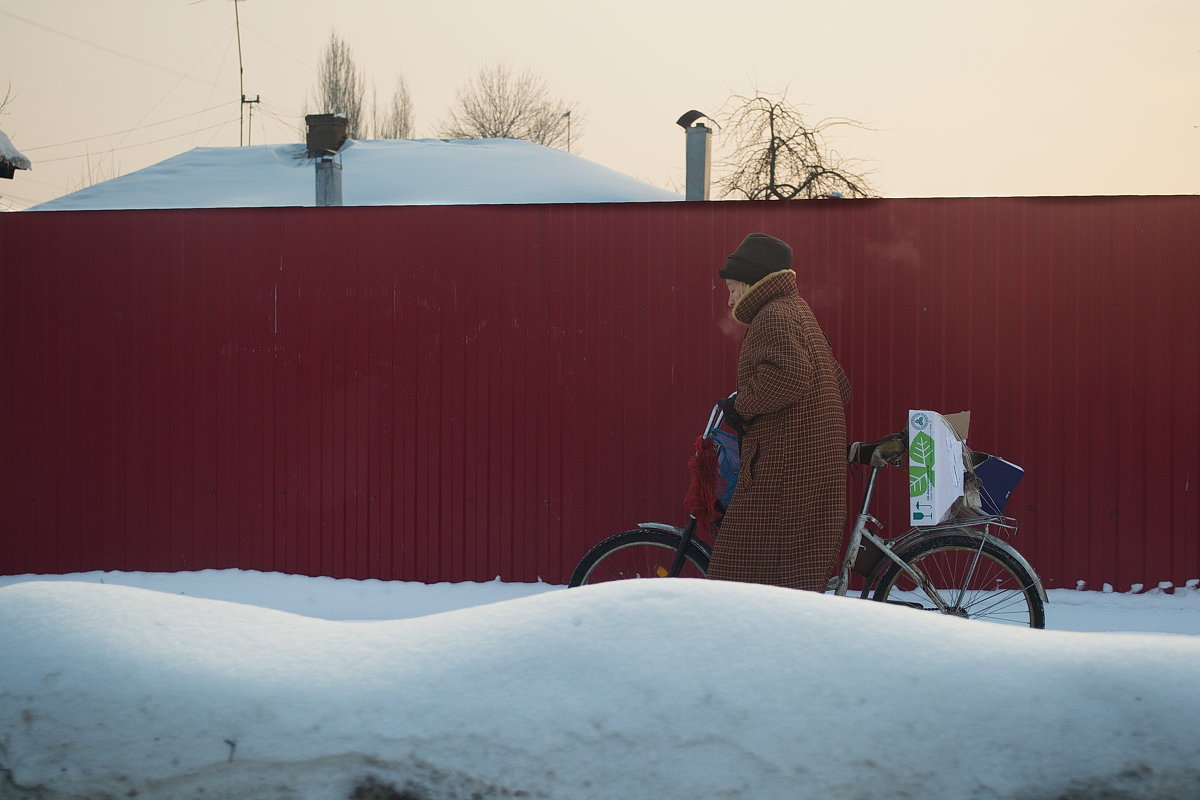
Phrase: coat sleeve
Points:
(780, 368)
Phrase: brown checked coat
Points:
(785, 521)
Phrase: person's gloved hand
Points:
(732, 417)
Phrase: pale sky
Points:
(965, 98)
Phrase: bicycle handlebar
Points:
(888, 450)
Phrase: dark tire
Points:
(994, 587)
(641, 553)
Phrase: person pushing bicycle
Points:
(785, 520)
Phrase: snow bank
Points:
(329, 598)
(656, 689)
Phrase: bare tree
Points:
(496, 104)
(341, 87)
(104, 168)
(776, 155)
(396, 120)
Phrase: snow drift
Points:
(655, 689)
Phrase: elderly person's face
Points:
(736, 290)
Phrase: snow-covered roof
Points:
(10, 154)
(380, 172)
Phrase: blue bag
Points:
(729, 463)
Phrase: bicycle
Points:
(960, 567)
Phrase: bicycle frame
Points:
(860, 531)
(981, 526)
(972, 535)
(960, 567)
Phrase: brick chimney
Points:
(326, 134)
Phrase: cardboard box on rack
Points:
(935, 464)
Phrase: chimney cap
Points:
(689, 117)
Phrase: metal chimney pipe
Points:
(699, 155)
(329, 181)
(699, 161)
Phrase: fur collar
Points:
(771, 287)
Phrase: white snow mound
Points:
(638, 689)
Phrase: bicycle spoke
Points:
(996, 601)
(973, 577)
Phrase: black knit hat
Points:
(756, 257)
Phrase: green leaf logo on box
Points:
(920, 469)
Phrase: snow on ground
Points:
(243, 685)
(1153, 611)
(374, 173)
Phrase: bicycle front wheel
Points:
(974, 583)
(639, 553)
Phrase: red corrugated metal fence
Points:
(457, 393)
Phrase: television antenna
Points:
(243, 133)
(242, 128)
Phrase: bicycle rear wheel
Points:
(987, 584)
(640, 553)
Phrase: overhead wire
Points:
(109, 50)
(127, 130)
(295, 58)
(219, 68)
(182, 76)
(279, 113)
(142, 144)
(286, 121)
(213, 135)
(286, 124)
(27, 201)
(289, 123)
(26, 178)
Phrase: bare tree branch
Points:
(496, 104)
(776, 155)
(395, 121)
(341, 87)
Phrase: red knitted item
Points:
(701, 498)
